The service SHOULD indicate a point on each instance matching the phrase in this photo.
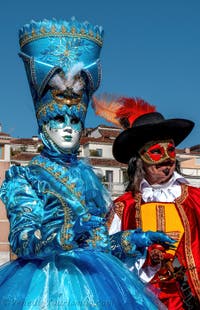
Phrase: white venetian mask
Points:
(64, 131)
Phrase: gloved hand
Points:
(159, 237)
(87, 222)
(143, 239)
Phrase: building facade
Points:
(5, 161)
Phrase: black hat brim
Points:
(130, 141)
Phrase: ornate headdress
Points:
(56, 53)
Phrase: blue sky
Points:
(151, 50)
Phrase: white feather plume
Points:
(72, 80)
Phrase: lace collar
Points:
(166, 192)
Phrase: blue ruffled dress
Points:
(61, 263)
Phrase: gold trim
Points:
(138, 218)
(126, 245)
(110, 218)
(160, 216)
(188, 251)
(71, 187)
(44, 33)
(95, 238)
(67, 219)
(117, 208)
(67, 97)
(49, 105)
(184, 194)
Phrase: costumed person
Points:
(157, 197)
(56, 205)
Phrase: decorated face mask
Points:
(64, 131)
(155, 153)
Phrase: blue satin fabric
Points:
(59, 266)
(46, 200)
(78, 279)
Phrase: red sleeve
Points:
(119, 204)
(188, 252)
(128, 214)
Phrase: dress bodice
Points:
(53, 203)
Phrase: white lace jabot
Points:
(166, 192)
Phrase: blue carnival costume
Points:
(56, 205)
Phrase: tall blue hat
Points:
(65, 48)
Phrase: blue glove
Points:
(160, 237)
(143, 239)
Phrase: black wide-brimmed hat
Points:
(149, 127)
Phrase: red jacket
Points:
(188, 207)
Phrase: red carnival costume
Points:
(132, 214)
(157, 197)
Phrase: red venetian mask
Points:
(155, 153)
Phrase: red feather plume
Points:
(132, 108)
(121, 111)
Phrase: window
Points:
(99, 151)
(1, 151)
(109, 179)
(125, 176)
(197, 160)
(109, 176)
(96, 153)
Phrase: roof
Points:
(180, 151)
(112, 163)
(195, 148)
(109, 133)
(106, 126)
(102, 140)
(4, 135)
(25, 141)
(23, 156)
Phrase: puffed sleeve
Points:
(25, 211)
